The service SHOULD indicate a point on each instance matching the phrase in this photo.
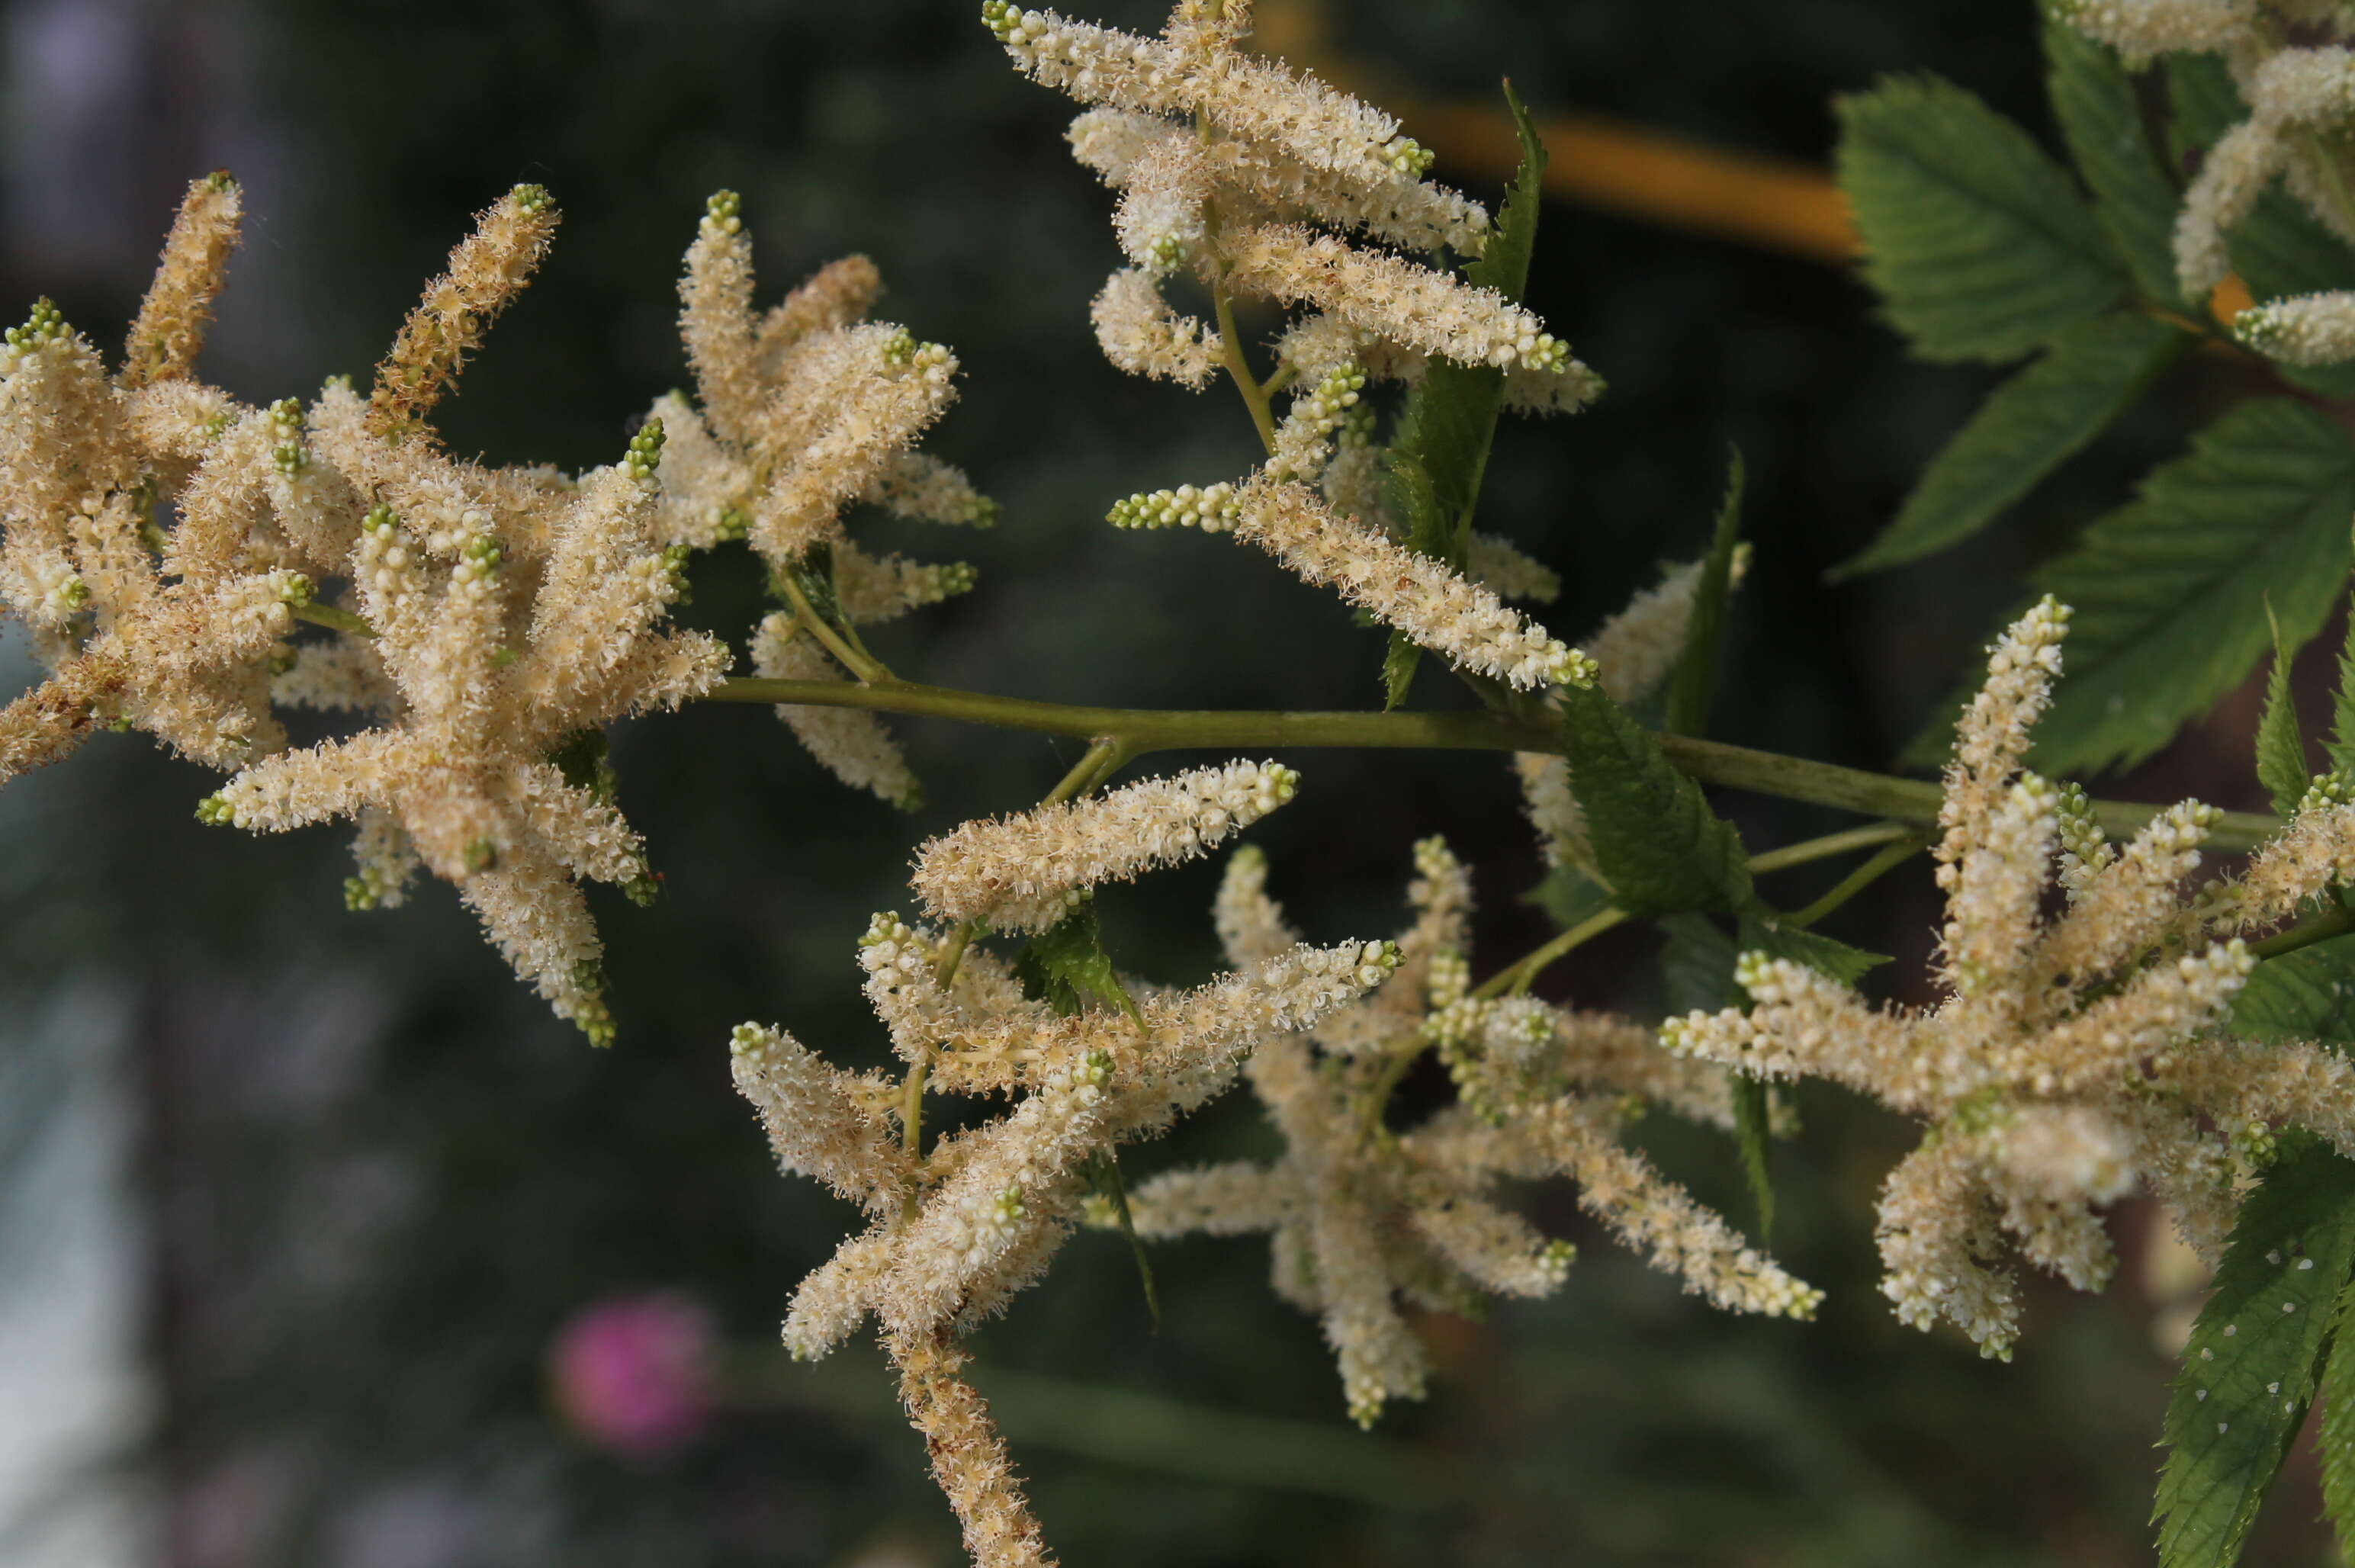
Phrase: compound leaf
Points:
(1976, 240)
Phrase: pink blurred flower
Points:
(634, 1373)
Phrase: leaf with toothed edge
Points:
(1066, 963)
(1655, 840)
(1439, 452)
(2256, 1354)
(2281, 748)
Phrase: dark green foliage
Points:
(1976, 240)
(2305, 995)
(1066, 963)
(2281, 748)
(2254, 1358)
(2093, 371)
(1655, 840)
(2170, 590)
(2342, 746)
(2094, 99)
(1762, 933)
(2336, 1438)
(1440, 452)
(1697, 964)
(1696, 672)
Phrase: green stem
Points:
(865, 665)
(328, 616)
(1913, 802)
(2339, 921)
(1230, 353)
(1891, 856)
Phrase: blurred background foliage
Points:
(368, 1179)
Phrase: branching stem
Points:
(1911, 803)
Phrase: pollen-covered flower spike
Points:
(487, 270)
(1363, 1220)
(2073, 1058)
(956, 1234)
(1025, 872)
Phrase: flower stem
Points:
(1910, 802)
(857, 661)
(1891, 856)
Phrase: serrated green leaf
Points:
(1695, 676)
(1762, 933)
(1450, 415)
(1655, 840)
(1697, 965)
(1977, 241)
(2341, 747)
(2169, 590)
(2101, 118)
(1439, 452)
(1066, 963)
(2336, 1438)
(2308, 994)
(2094, 372)
(2256, 1354)
(1754, 1119)
(2281, 748)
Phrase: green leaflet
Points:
(1655, 840)
(1066, 963)
(2341, 749)
(2305, 995)
(2335, 1437)
(2281, 748)
(2028, 426)
(2101, 118)
(1696, 672)
(1977, 241)
(2254, 1356)
(2202, 104)
(1697, 966)
(2170, 588)
(1762, 933)
(1440, 452)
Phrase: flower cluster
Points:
(490, 621)
(806, 409)
(956, 1230)
(2299, 81)
(1362, 1218)
(1250, 179)
(2073, 1057)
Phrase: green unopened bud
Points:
(532, 198)
(646, 450)
(215, 811)
(481, 855)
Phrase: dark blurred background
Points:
(298, 1204)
